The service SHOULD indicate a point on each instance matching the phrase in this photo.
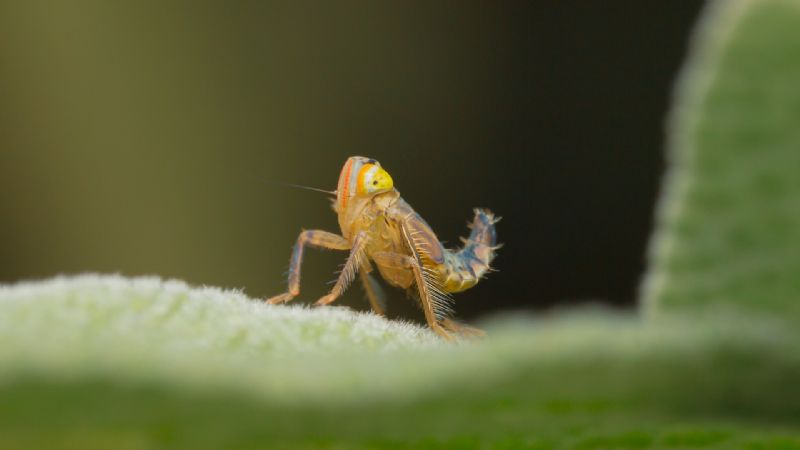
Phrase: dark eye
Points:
(375, 183)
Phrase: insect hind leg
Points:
(423, 285)
(462, 329)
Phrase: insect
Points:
(381, 230)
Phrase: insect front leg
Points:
(314, 238)
(423, 284)
(355, 261)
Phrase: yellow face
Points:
(363, 177)
(372, 179)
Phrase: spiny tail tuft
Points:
(479, 247)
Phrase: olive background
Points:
(141, 138)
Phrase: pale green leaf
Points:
(729, 225)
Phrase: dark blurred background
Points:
(133, 136)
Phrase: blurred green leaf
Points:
(729, 231)
(101, 362)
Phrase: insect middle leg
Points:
(375, 295)
(408, 262)
(314, 238)
(354, 262)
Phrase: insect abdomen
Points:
(465, 267)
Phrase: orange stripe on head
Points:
(344, 183)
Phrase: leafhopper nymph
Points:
(381, 230)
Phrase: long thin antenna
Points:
(298, 186)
